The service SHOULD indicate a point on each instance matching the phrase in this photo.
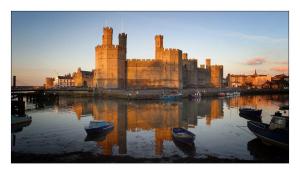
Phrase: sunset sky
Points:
(47, 44)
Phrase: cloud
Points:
(258, 38)
(280, 68)
(284, 62)
(256, 61)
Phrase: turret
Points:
(184, 55)
(159, 41)
(207, 61)
(159, 46)
(123, 40)
(107, 36)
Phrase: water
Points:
(142, 129)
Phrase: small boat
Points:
(172, 96)
(249, 112)
(182, 135)
(221, 94)
(276, 133)
(236, 93)
(98, 126)
(19, 122)
(195, 95)
(284, 107)
(251, 118)
(229, 94)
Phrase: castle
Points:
(169, 69)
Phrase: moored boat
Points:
(251, 118)
(195, 95)
(221, 94)
(182, 135)
(284, 107)
(276, 133)
(172, 96)
(98, 126)
(18, 122)
(249, 112)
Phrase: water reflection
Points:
(143, 128)
(156, 116)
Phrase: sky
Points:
(47, 44)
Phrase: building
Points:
(49, 82)
(170, 68)
(248, 81)
(83, 78)
(64, 81)
(280, 81)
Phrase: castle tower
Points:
(123, 40)
(107, 36)
(159, 46)
(184, 55)
(208, 63)
(110, 61)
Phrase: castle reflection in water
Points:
(156, 116)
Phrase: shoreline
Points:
(86, 157)
(155, 94)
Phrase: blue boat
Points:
(98, 126)
(171, 96)
(255, 114)
(182, 135)
(276, 133)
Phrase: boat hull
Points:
(250, 114)
(98, 130)
(183, 136)
(277, 137)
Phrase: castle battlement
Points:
(217, 66)
(108, 46)
(123, 35)
(142, 62)
(107, 29)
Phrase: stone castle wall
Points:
(216, 74)
(169, 69)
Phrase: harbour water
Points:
(142, 129)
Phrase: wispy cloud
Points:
(258, 38)
(282, 62)
(256, 61)
(281, 69)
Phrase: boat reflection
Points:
(156, 116)
(263, 152)
(188, 149)
(97, 137)
(18, 123)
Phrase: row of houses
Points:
(257, 81)
(79, 78)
